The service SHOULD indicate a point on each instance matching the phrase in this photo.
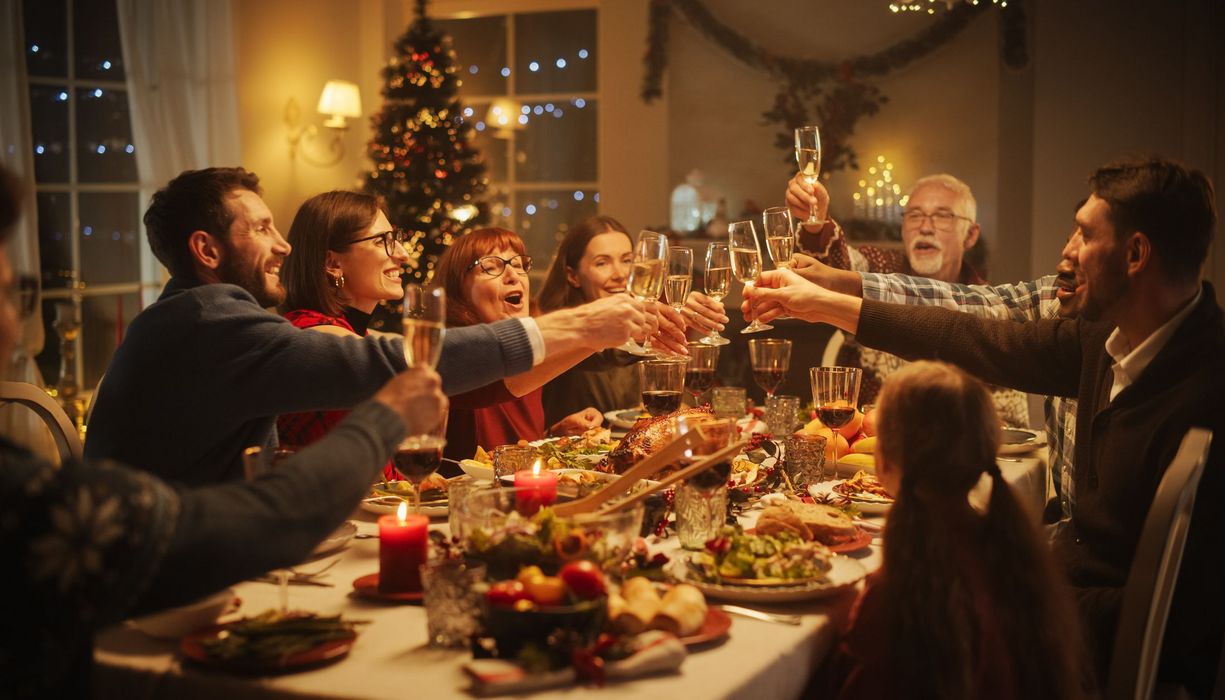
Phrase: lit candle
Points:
(534, 489)
(403, 548)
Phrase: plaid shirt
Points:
(1024, 301)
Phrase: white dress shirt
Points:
(1130, 363)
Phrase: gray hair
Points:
(965, 198)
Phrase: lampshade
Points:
(503, 115)
(340, 99)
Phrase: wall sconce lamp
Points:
(340, 100)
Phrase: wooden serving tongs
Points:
(643, 470)
(707, 462)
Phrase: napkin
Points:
(658, 652)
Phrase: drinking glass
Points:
(680, 276)
(746, 262)
(728, 401)
(424, 317)
(254, 463)
(804, 459)
(808, 159)
(662, 382)
(771, 358)
(835, 391)
(458, 490)
(780, 415)
(780, 235)
(717, 281)
(646, 280)
(508, 459)
(700, 372)
(451, 593)
(701, 500)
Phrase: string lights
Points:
(879, 198)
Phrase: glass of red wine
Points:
(700, 373)
(662, 381)
(771, 358)
(424, 317)
(835, 391)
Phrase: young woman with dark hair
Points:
(966, 604)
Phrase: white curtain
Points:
(182, 92)
(16, 156)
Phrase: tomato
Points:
(546, 590)
(584, 579)
(505, 594)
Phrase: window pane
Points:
(96, 35)
(106, 318)
(542, 218)
(55, 239)
(104, 136)
(49, 129)
(555, 52)
(110, 238)
(49, 359)
(558, 144)
(480, 50)
(46, 35)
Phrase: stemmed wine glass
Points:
(746, 262)
(780, 235)
(680, 276)
(835, 391)
(424, 318)
(808, 158)
(662, 383)
(700, 373)
(717, 282)
(646, 279)
(771, 358)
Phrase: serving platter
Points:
(1016, 441)
(844, 573)
(322, 653)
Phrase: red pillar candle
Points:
(534, 489)
(403, 548)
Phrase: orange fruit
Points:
(869, 422)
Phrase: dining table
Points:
(391, 657)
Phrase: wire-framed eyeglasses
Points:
(941, 220)
(389, 238)
(494, 266)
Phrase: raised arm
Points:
(1022, 301)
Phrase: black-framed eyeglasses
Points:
(941, 220)
(494, 266)
(389, 238)
(24, 293)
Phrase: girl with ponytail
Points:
(966, 604)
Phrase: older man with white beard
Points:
(938, 227)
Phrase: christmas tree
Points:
(425, 166)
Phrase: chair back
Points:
(1154, 571)
(62, 430)
(830, 357)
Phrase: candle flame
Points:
(536, 467)
(402, 512)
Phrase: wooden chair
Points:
(830, 357)
(1154, 571)
(37, 400)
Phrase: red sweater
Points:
(492, 416)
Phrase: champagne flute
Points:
(419, 456)
(780, 235)
(717, 281)
(771, 358)
(646, 279)
(700, 373)
(835, 391)
(680, 276)
(746, 262)
(662, 383)
(808, 158)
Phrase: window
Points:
(529, 86)
(89, 233)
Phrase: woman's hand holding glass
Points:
(704, 313)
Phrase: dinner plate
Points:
(1016, 441)
(389, 505)
(624, 418)
(868, 506)
(325, 652)
(715, 626)
(862, 539)
(337, 540)
(843, 574)
(591, 459)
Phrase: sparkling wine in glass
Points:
(717, 281)
(425, 313)
(771, 358)
(646, 280)
(808, 159)
(746, 262)
(700, 372)
(780, 235)
(680, 276)
(662, 381)
(835, 391)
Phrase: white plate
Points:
(590, 459)
(844, 573)
(624, 418)
(337, 540)
(388, 505)
(1016, 441)
(476, 470)
(871, 507)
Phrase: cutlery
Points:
(296, 580)
(759, 615)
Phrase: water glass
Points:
(700, 514)
(804, 459)
(728, 401)
(458, 490)
(508, 459)
(452, 591)
(780, 415)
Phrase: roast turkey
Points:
(646, 437)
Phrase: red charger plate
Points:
(320, 654)
(715, 626)
(368, 587)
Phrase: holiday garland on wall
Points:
(835, 95)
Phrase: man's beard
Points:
(1099, 300)
(927, 265)
(234, 270)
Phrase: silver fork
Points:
(305, 575)
(760, 615)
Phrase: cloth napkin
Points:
(658, 652)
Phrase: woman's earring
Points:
(338, 281)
